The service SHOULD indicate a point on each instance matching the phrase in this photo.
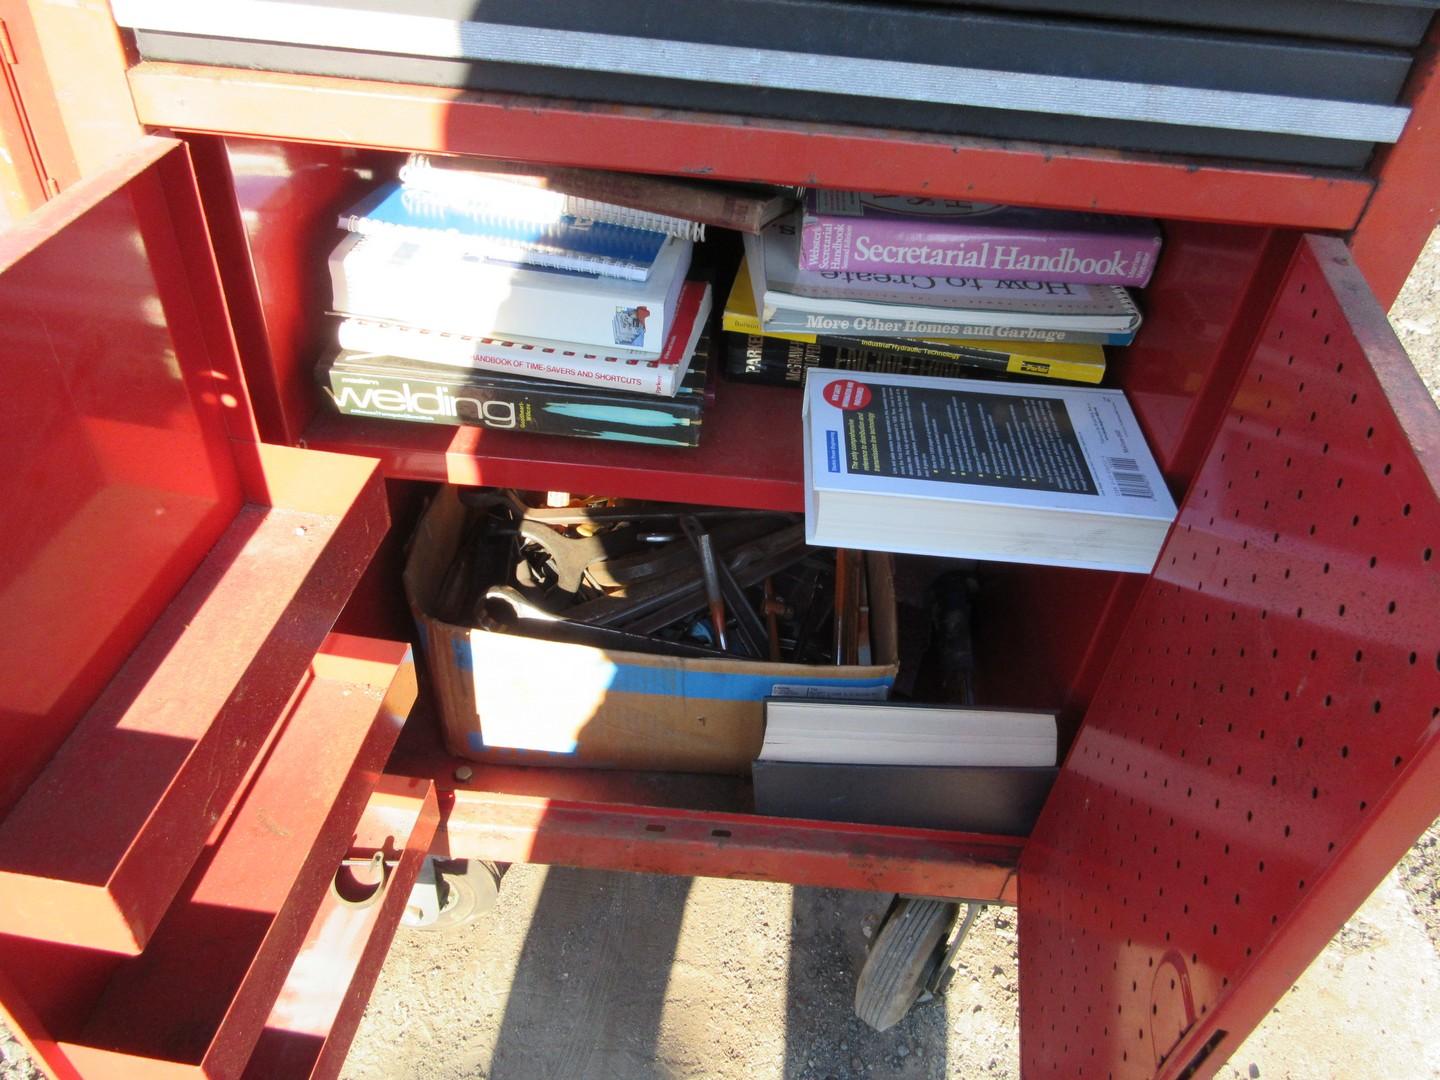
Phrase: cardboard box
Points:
(513, 700)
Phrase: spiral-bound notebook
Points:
(495, 229)
(549, 193)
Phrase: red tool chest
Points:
(1252, 729)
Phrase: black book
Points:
(391, 388)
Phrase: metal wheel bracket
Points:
(427, 896)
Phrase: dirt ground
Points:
(580, 974)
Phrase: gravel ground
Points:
(581, 974)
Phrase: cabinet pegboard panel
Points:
(1266, 740)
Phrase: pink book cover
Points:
(849, 230)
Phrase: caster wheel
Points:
(907, 952)
(468, 889)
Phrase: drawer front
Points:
(1263, 746)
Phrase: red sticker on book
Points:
(847, 394)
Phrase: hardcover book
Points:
(976, 770)
(1054, 475)
(496, 228)
(397, 280)
(615, 369)
(391, 388)
(790, 299)
(899, 234)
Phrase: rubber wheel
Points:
(471, 887)
(907, 948)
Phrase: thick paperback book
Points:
(1055, 475)
(614, 369)
(492, 230)
(790, 299)
(851, 230)
(391, 388)
(440, 289)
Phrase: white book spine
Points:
(406, 284)
(508, 358)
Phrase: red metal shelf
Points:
(198, 996)
(749, 455)
(681, 823)
(315, 1016)
(357, 112)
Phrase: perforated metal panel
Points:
(1265, 742)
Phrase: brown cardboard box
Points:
(508, 699)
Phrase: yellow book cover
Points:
(1073, 363)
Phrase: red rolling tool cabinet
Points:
(203, 677)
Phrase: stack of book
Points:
(529, 299)
(917, 286)
(905, 450)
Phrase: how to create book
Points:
(852, 230)
(1055, 475)
(784, 358)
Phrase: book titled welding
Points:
(614, 369)
(392, 388)
(1054, 475)
(495, 230)
(851, 230)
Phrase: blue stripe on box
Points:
(460, 647)
(718, 686)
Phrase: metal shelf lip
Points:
(321, 109)
(749, 455)
(663, 840)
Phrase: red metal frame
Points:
(662, 840)
(1294, 459)
(1405, 206)
(317, 1011)
(196, 1001)
(23, 183)
(70, 72)
(354, 112)
(1263, 745)
(674, 823)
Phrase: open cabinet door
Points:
(187, 753)
(1265, 744)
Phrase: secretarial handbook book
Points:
(790, 299)
(902, 234)
(1055, 475)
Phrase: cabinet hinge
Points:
(7, 50)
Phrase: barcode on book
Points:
(1129, 480)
